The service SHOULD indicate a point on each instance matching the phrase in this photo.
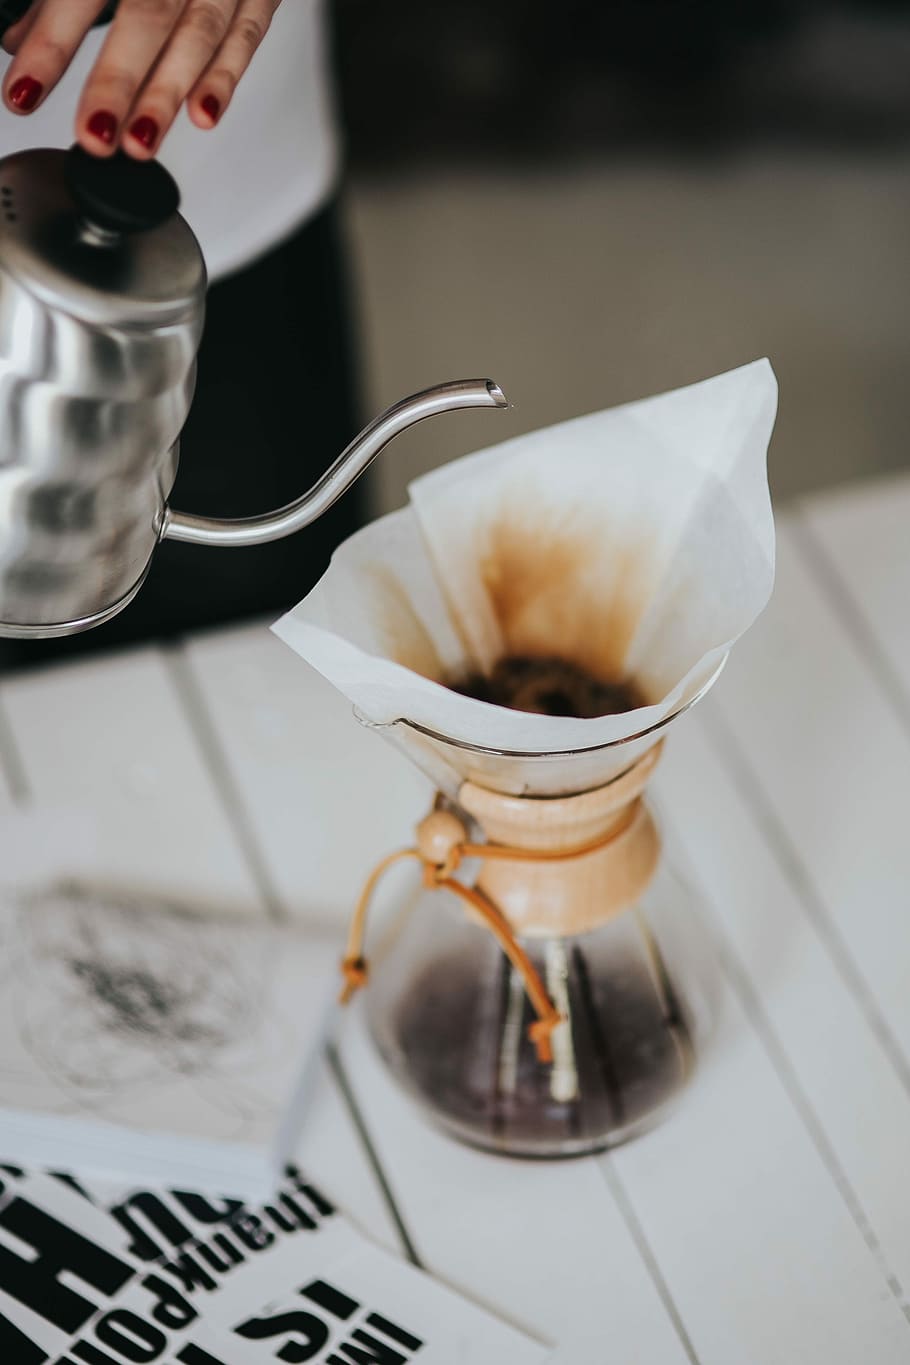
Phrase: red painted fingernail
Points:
(103, 126)
(211, 106)
(25, 93)
(145, 130)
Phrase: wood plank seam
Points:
(192, 701)
(738, 980)
(626, 1208)
(11, 764)
(337, 1068)
(730, 754)
(839, 592)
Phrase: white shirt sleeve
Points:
(269, 164)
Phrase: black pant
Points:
(275, 403)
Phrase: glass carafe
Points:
(605, 923)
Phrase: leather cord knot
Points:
(356, 974)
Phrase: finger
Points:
(12, 38)
(213, 91)
(138, 33)
(198, 36)
(45, 50)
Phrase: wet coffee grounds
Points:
(549, 687)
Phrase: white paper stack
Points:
(155, 1042)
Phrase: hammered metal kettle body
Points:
(101, 312)
(102, 299)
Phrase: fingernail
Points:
(145, 130)
(211, 106)
(25, 93)
(103, 126)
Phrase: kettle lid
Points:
(99, 238)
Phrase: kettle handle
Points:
(337, 479)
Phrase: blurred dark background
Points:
(591, 202)
(525, 81)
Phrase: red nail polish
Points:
(103, 126)
(25, 93)
(145, 130)
(211, 106)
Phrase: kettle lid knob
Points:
(118, 193)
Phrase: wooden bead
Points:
(438, 834)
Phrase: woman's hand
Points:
(157, 54)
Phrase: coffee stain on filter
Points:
(563, 585)
(404, 636)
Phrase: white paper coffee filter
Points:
(636, 542)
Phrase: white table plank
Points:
(112, 736)
(324, 798)
(864, 535)
(331, 1152)
(757, 1248)
(821, 1039)
(829, 761)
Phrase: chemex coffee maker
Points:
(526, 632)
(102, 300)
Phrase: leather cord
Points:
(438, 875)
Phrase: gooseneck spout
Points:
(337, 479)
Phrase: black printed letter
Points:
(161, 1218)
(131, 1336)
(314, 1332)
(35, 1283)
(172, 1310)
(204, 1211)
(190, 1273)
(15, 1346)
(379, 1353)
(194, 1355)
(249, 1230)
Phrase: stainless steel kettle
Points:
(102, 296)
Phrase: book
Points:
(93, 1274)
(146, 1040)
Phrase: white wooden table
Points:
(769, 1219)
